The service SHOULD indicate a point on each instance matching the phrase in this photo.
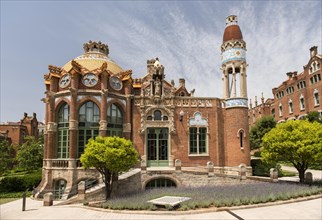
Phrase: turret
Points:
(233, 53)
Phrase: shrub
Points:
(20, 183)
(261, 168)
(257, 154)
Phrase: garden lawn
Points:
(216, 196)
(6, 200)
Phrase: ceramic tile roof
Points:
(232, 32)
(92, 61)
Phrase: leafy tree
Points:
(259, 129)
(30, 154)
(299, 142)
(110, 156)
(7, 156)
(314, 116)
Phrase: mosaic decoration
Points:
(233, 54)
(80, 97)
(236, 102)
(197, 120)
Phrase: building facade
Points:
(15, 132)
(295, 97)
(92, 95)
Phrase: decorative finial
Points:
(231, 20)
(93, 46)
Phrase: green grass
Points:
(288, 173)
(11, 196)
(6, 200)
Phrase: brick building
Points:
(15, 132)
(92, 95)
(295, 97)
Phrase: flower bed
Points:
(215, 196)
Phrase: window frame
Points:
(201, 135)
(62, 144)
(85, 126)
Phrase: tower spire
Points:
(234, 64)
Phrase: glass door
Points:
(157, 146)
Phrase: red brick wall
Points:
(236, 119)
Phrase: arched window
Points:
(316, 97)
(157, 115)
(160, 183)
(63, 132)
(59, 188)
(241, 134)
(280, 110)
(88, 125)
(114, 121)
(290, 106)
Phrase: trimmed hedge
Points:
(20, 183)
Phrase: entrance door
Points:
(157, 146)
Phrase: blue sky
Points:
(185, 35)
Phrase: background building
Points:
(295, 97)
(92, 95)
(15, 132)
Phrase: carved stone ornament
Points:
(104, 92)
(73, 125)
(103, 125)
(127, 127)
(51, 127)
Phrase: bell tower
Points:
(233, 55)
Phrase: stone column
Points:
(234, 83)
(51, 128)
(210, 168)
(143, 164)
(103, 114)
(273, 174)
(177, 165)
(73, 121)
(308, 178)
(242, 81)
(127, 126)
(226, 83)
(48, 199)
(46, 101)
(81, 190)
(242, 171)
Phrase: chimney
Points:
(313, 51)
(289, 74)
(182, 83)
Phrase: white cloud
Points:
(186, 36)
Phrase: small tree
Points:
(259, 129)
(110, 156)
(7, 156)
(299, 142)
(30, 154)
(314, 116)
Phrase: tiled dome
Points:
(232, 30)
(95, 55)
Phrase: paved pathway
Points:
(317, 174)
(306, 210)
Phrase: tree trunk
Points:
(107, 181)
(301, 175)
